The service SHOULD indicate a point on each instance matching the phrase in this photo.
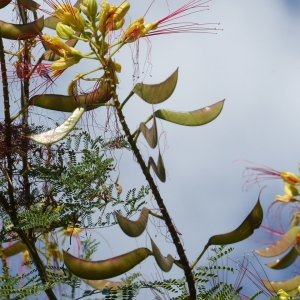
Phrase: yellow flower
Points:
(72, 231)
(64, 63)
(117, 67)
(291, 190)
(69, 55)
(283, 295)
(70, 15)
(26, 258)
(137, 29)
(55, 44)
(118, 13)
(285, 198)
(105, 6)
(290, 177)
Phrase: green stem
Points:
(126, 100)
(115, 51)
(20, 112)
(155, 215)
(199, 257)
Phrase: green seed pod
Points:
(54, 135)
(134, 228)
(252, 222)
(13, 249)
(104, 269)
(65, 32)
(21, 31)
(100, 95)
(165, 263)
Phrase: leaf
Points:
(13, 249)
(284, 261)
(285, 242)
(21, 31)
(252, 221)
(134, 228)
(165, 263)
(150, 134)
(287, 285)
(157, 93)
(191, 118)
(101, 284)
(54, 135)
(69, 103)
(104, 269)
(158, 169)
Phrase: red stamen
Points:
(192, 4)
(255, 175)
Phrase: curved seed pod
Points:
(284, 261)
(157, 93)
(159, 169)
(191, 118)
(3, 3)
(286, 241)
(104, 269)
(54, 135)
(133, 228)
(165, 263)
(287, 285)
(101, 284)
(70, 103)
(150, 134)
(21, 31)
(252, 221)
(13, 249)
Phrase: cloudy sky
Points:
(254, 62)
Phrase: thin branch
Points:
(183, 259)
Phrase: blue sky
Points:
(255, 64)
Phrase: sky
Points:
(253, 61)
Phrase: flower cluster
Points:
(291, 189)
(94, 24)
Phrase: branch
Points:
(183, 259)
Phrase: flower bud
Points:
(291, 190)
(91, 6)
(71, 16)
(64, 63)
(64, 31)
(84, 9)
(284, 198)
(290, 177)
(117, 67)
(133, 31)
(118, 13)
